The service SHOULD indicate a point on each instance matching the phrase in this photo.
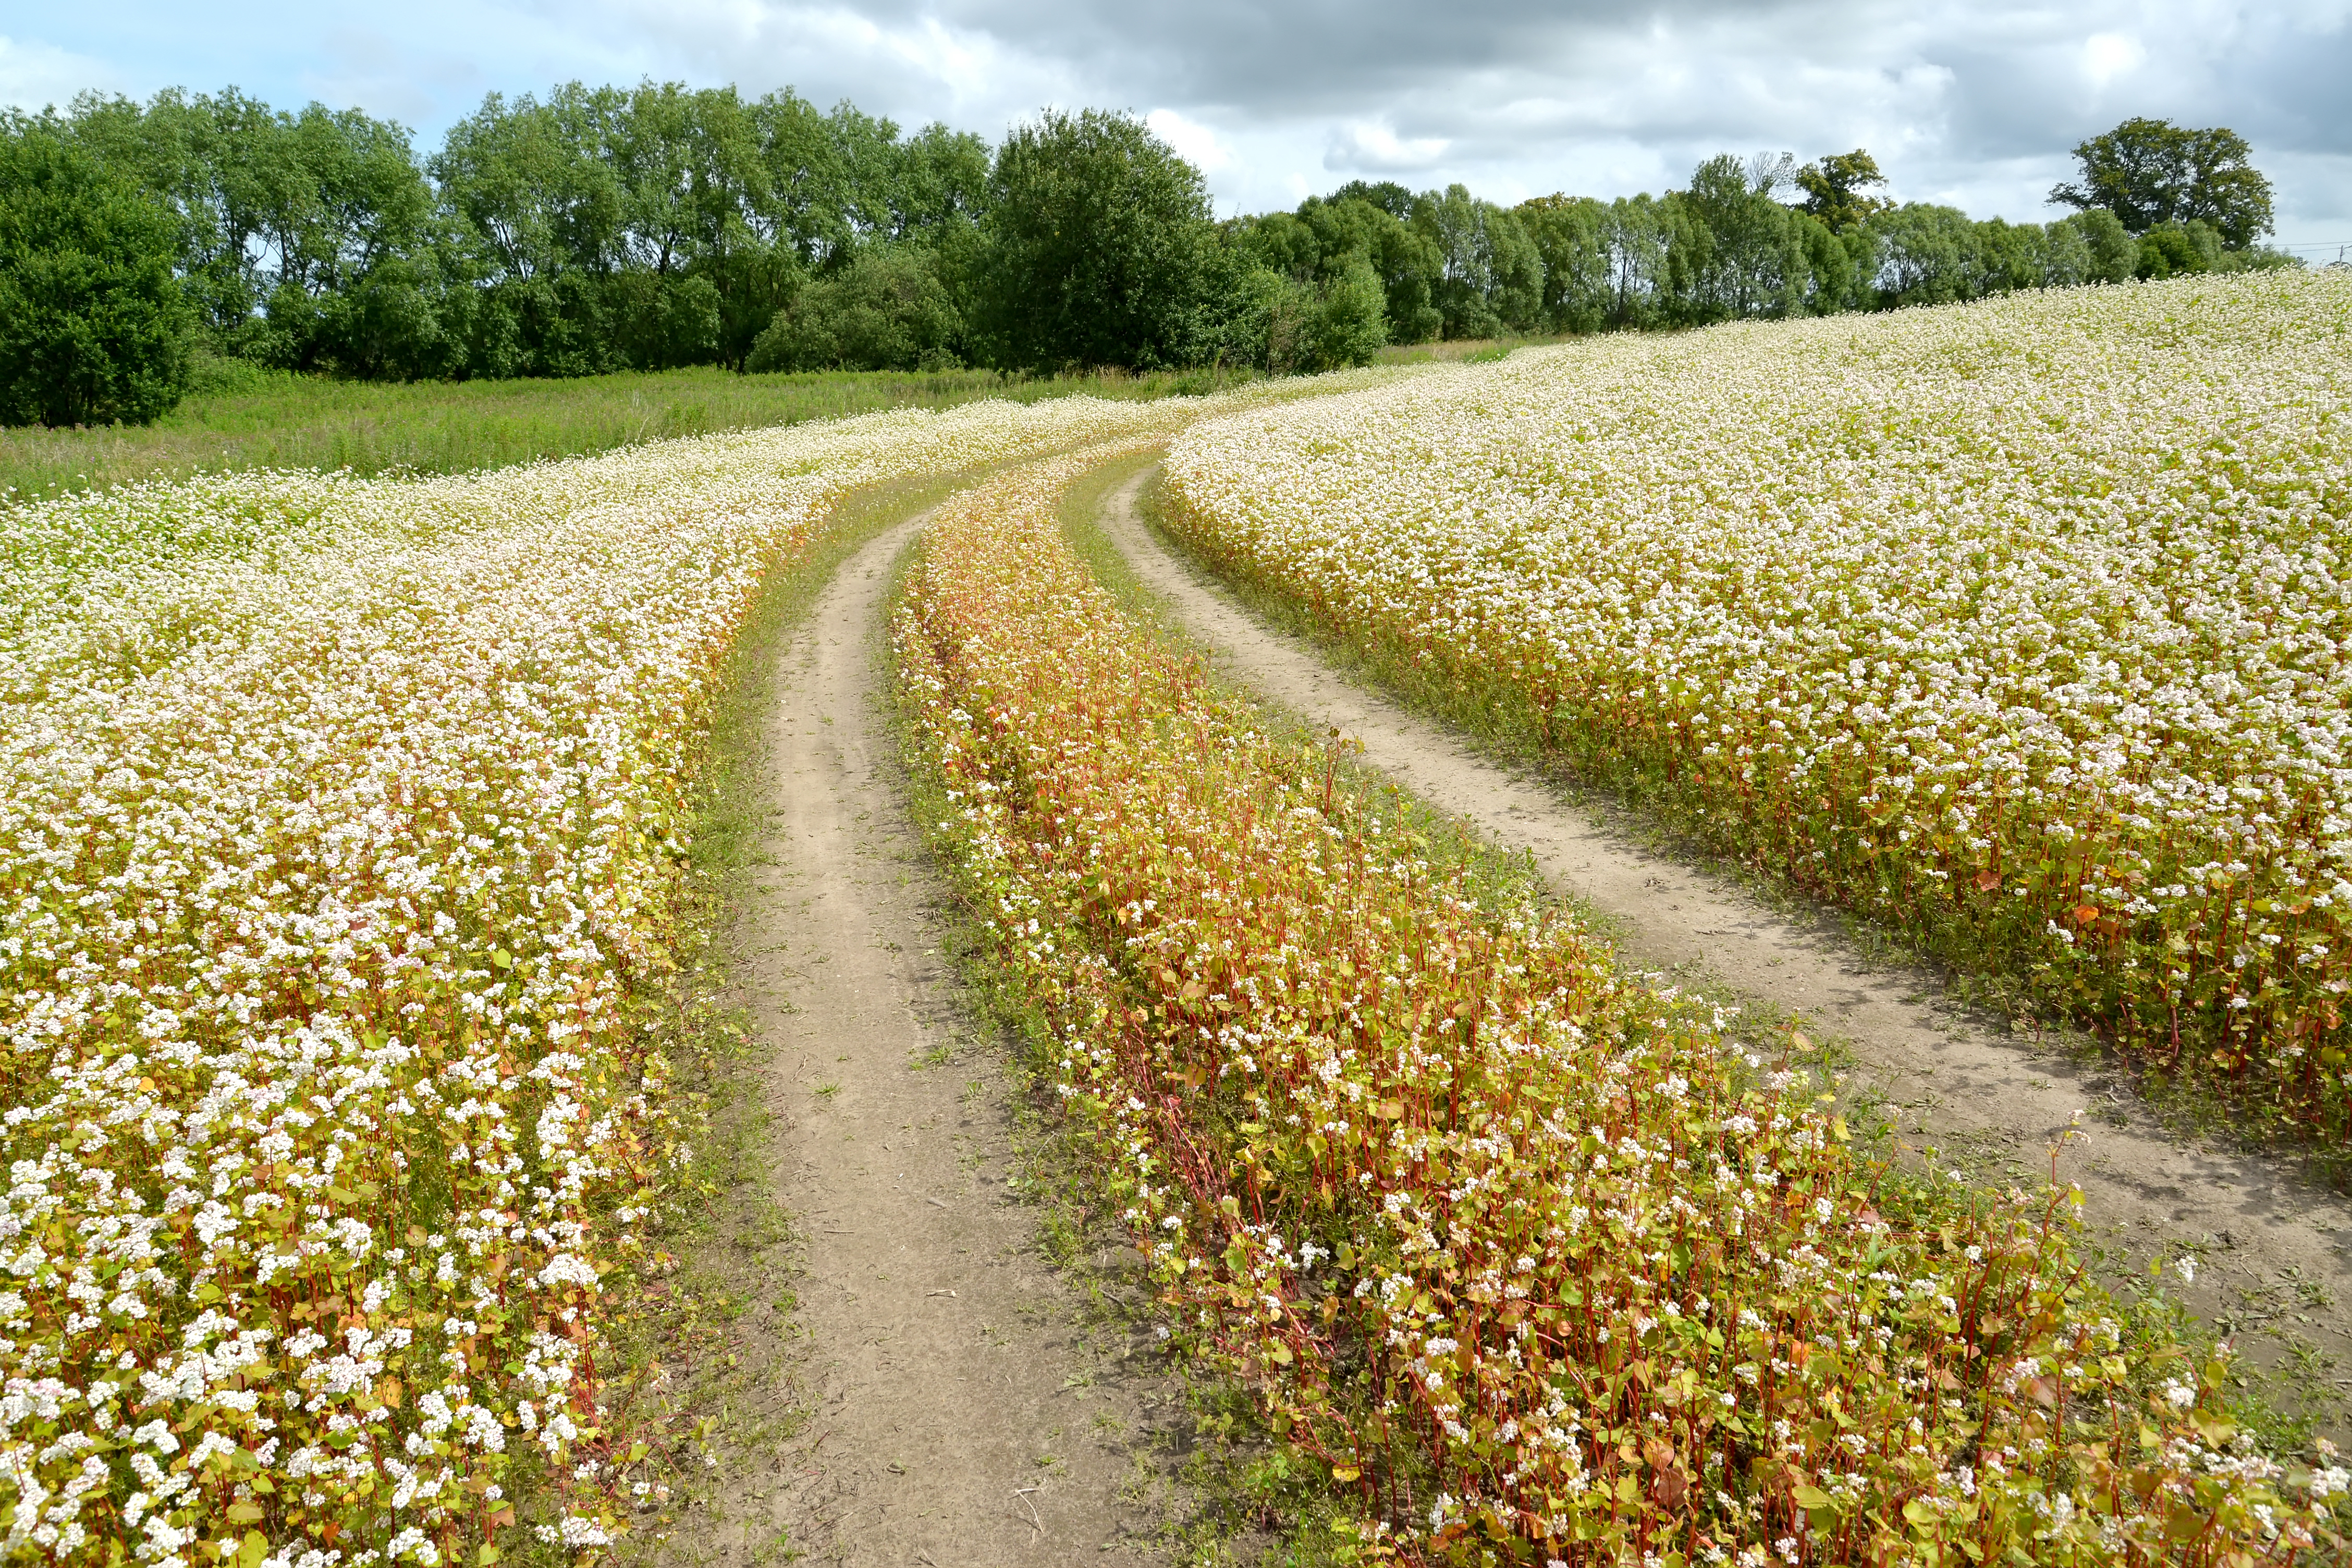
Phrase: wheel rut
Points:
(959, 1408)
(2271, 1247)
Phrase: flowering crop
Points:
(1532, 1258)
(339, 830)
(2023, 622)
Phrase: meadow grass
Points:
(244, 417)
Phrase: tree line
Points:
(607, 229)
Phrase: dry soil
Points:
(960, 1404)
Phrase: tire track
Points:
(2272, 1245)
(958, 1411)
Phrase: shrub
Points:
(887, 310)
(92, 325)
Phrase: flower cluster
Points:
(340, 826)
(2024, 623)
(1539, 1263)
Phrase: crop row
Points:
(340, 823)
(2026, 623)
(1530, 1262)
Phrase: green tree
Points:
(1492, 274)
(1734, 251)
(803, 193)
(2151, 172)
(1640, 276)
(92, 323)
(281, 217)
(183, 150)
(2011, 256)
(2110, 254)
(1930, 256)
(1833, 188)
(1098, 248)
(2174, 249)
(1571, 239)
(2066, 253)
(1843, 267)
(1283, 243)
(531, 183)
(1351, 321)
(1385, 195)
(1319, 301)
(1406, 261)
(939, 187)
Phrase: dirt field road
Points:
(2272, 1246)
(962, 1415)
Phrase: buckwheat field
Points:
(1522, 1259)
(343, 834)
(2022, 625)
(340, 824)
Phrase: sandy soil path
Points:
(963, 1413)
(2272, 1246)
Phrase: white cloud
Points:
(1195, 142)
(34, 75)
(1373, 148)
(2107, 56)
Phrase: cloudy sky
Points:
(1974, 103)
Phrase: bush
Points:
(2114, 253)
(2173, 250)
(1350, 321)
(886, 310)
(665, 321)
(92, 324)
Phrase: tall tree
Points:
(2151, 172)
(1738, 252)
(1931, 254)
(1493, 273)
(1640, 280)
(1406, 261)
(531, 181)
(1099, 248)
(1570, 234)
(1834, 189)
(938, 185)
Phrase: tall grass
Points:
(244, 417)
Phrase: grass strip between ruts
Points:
(1531, 1259)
